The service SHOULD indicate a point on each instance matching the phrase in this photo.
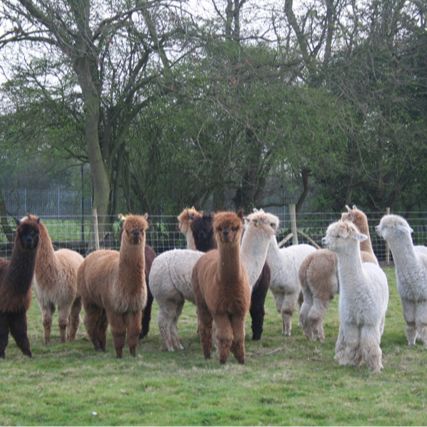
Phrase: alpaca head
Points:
(393, 226)
(341, 235)
(202, 229)
(186, 217)
(228, 227)
(356, 216)
(28, 232)
(134, 227)
(263, 221)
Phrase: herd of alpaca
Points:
(226, 270)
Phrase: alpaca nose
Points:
(324, 241)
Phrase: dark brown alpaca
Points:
(113, 289)
(16, 275)
(221, 289)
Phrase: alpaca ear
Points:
(17, 222)
(361, 237)
(354, 207)
(38, 220)
(240, 214)
(146, 216)
(348, 208)
(405, 228)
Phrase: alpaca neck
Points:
(46, 254)
(132, 265)
(349, 266)
(403, 252)
(190, 239)
(274, 258)
(21, 269)
(366, 245)
(229, 263)
(254, 253)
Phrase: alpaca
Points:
(202, 232)
(319, 278)
(16, 276)
(363, 298)
(149, 258)
(55, 282)
(221, 290)
(285, 284)
(170, 277)
(411, 274)
(113, 289)
(185, 218)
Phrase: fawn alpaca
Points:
(55, 282)
(113, 289)
(185, 218)
(221, 290)
(16, 275)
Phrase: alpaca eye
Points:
(234, 228)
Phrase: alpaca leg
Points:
(205, 329)
(409, 313)
(18, 329)
(4, 334)
(421, 321)
(47, 312)
(133, 330)
(117, 323)
(167, 313)
(238, 344)
(352, 355)
(101, 330)
(64, 312)
(146, 314)
(340, 346)
(74, 320)
(303, 315)
(93, 314)
(315, 318)
(174, 326)
(224, 337)
(370, 347)
(288, 307)
(257, 312)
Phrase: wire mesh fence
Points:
(77, 232)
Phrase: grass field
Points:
(285, 380)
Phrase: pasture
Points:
(285, 381)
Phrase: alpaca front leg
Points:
(205, 330)
(409, 314)
(238, 345)
(118, 329)
(4, 334)
(146, 314)
(74, 320)
(351, 339)
(96, 325)
(288, 307)
(18, 329)
(370, 348)
(224, 337)
(133, 330)
(47, 312)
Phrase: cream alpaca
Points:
(55, 281)
(363, 299)
(185, 219)
(319, 278)
(411, 274)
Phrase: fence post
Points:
(293, 217)
(95, 228)
(387, 248)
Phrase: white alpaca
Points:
(363, 299)
(319, 277)
(411, 274)
(285, 284)
(170, 275)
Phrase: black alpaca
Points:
(204, 240)
(146, 315)
(16, 276)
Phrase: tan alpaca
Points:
(221, 289)
(185, 218)
(113, 288)
(55, 281)
(319, 277)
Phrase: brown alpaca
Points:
(319, 277)
(221, 289)
(16, 275)
(185, 218)
(113, 288)
(55, 283)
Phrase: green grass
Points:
(285, 380)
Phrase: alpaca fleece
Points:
(113, 289)
(319, 277)
(15, 285)
(221, 290)
(55, 283)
